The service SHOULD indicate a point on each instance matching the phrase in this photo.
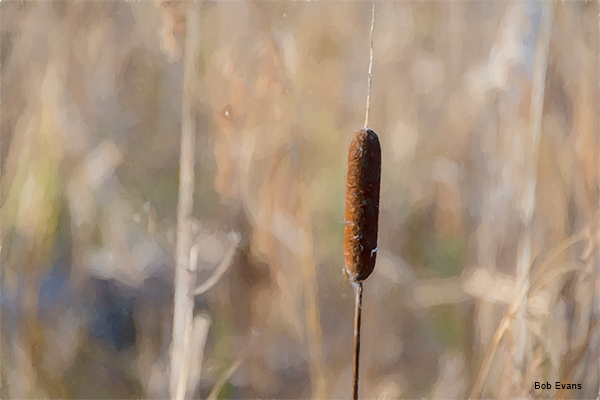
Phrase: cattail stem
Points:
(357, 316)
(370, 68)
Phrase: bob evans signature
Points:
(558, 385)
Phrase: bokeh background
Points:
(488, 117)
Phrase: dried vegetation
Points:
(487, 267)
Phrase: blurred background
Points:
(488, 117)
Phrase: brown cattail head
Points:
(362, 204)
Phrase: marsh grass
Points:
(91, 123)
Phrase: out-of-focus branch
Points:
(221, 269)
(534, 133)
(434, 292)
(183, 303)
(200, 329)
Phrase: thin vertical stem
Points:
(357, 317)
(538, 86)
(370, 68)
(524, 258)
(183, 306)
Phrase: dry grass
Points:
(489, 182)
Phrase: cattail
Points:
(362, 217)
(362, 211)
(362, 204)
